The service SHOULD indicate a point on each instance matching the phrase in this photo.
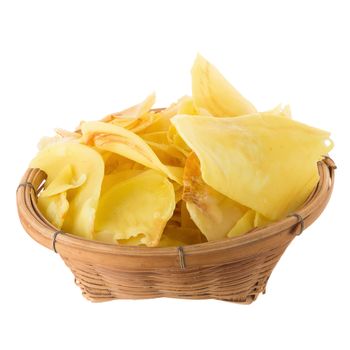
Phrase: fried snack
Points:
(214, 213)
(139, 205)
(127, 144)
(212, 92)
(261, 161)
(87, 165)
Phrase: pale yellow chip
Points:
(110, 180)
(125, 143)
(213, 93)
(260, 161)
(52, 201)
(245, 224)
(54, 208)
(140, 205)
(250, 220)
(134, 112)
(214, 213)
(136, 118)
(83, 200)
(161, 145)
(64, 180)
(115, 162)
(61, 136)
(163, 115)
(176, 236)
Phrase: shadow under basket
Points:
(234, 269)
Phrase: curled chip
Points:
(140, 206)
(52, 201)
(260, 161)
(213, 93)
(88, 168)
(214, 213)
(127, 144)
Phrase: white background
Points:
(64, 61)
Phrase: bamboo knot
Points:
(181, 257)
(54, 240)
(300, 222)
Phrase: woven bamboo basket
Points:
(235, 269)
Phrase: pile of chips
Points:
(207, 167)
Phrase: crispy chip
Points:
(260, 161)
(133, 112)
(83, 200)
(123, 142)
(54, 208)
(212, 92)
(64, 181)
(212, 212)
(140, 205)
(245, 224)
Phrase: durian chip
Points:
(83, 200)
(245, 224)
(54, 208)
(212, 92)
(64, 181)
(112, 179)
(125, 143)
(214, 213)
(183, 235)
(52, 201)
(140, 205)
(133, 112)
(260, 161)
(176, 140)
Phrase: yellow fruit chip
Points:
(140, 205)
(260, 161)
(212, 92)
(127, 144)
(214, 213)
(83, 200)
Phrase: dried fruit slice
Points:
(133, 112)
(260, 161)
(64, 181)
(115, 162)
(245, 224)
(214, 213)
(167, 154)
(125, 143)
(212, 92)
(140, 205)
(54, 208)
(112, 179)
(52, 201)
(136, 118)
(82, 200)
(175, 236)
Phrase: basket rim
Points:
(46, 233)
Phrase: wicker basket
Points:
(234, 269)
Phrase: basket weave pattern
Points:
(235, 269)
